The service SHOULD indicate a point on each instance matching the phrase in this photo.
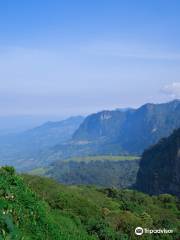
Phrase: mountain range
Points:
(121, 132)
(157, 172)
(117, 132)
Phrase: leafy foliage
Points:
(33, 207)
(110, 214)
(24, 216)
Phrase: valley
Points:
(90, 120)
(112, 133)
(104, 171)
(83, 186)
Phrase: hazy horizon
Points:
(16, 123)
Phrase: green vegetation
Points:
(102, 158)
(23, 216)
(101, 170)
(114, 172)
(110, 214)
(33, 207)
(104, 133)
(38, 171)
(159, 170)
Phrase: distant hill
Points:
(121, 132)
(52, 133)
(159, 170)
(23, 149)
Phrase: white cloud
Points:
(172, 89)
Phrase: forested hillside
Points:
(106, 171)
(129, 131)
(39, 208)
(159, 170)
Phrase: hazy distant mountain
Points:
(21, 150)
(133, 130)
(120, 132)
(16, 124)
(52, 133)
(103, 133)
(159, 170)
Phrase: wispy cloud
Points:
(173, 89)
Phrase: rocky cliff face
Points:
(101, 126)
(133, 130)
(159, 170)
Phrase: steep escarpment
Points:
(101, 126)
(131, 130)
(159, 170)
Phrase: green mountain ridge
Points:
(159, 170)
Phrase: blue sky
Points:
(62, 58)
